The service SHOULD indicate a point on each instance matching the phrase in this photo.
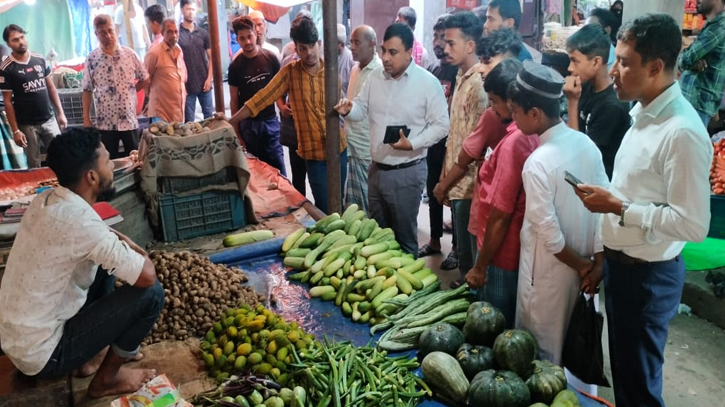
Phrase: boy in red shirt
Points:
(501, 202)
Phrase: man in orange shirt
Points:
(304, 81)
(167, 72)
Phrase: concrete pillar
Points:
(675, 8)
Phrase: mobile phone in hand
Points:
(572, 180)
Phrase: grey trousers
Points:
(394, 198)
(34, 133)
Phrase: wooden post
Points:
(216, 56)
(127, 22)
(332, 96)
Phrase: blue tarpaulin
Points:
(263, 266)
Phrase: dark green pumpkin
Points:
(474, 359)
(484, 323)
(546, 381)
(441, 337)
(498, 388)
(514, 350)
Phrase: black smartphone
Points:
(392, 134)
(572, 180)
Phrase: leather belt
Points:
(386, 167)
(622, 258)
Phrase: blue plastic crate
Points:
(201, 214)
(717, 217)
(179, 185)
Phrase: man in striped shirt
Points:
(304, 81)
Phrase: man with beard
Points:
(446, 74)
(249, 73)
(59, 310)
(196, 46)
(109, 76)
(402, 93)
(304, 80)
(28, 91)
(703, 63)
(167, 75)
(362, 46)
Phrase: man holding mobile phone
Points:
(659, 199)
(401, 93)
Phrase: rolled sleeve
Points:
(114, 255)
(541, 211)
(87, 80)
(274, 90)
(507, 181)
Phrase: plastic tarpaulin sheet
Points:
(48, 25)
(263, 266)
(80, 15)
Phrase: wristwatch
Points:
(625, 206)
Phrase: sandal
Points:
(427, 250)
(451, 262)
(457, 283)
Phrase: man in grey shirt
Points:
(400, 94)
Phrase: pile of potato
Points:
(178, 129)
(197, 293)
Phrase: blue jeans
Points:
(641, 299)
(206, 102)
(261, 137)
(317, 174)
(120, 318)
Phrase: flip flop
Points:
(451, 262)
(457, 283)
(427, 250)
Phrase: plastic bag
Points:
(582, 353)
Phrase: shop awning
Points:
(6, 5)
(272, 9)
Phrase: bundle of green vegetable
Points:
(352, 261)
(340, 374)
(418, 313)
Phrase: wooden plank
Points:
(332, 96)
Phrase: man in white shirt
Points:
(659, 199)
(363, 42)
(139, 34)
(58, 307)
(559, 237)
(400, 94)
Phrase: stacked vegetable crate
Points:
(185, 215)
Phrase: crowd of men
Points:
(543, 208)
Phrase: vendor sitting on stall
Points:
(58, 307)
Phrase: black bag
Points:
(582, 353)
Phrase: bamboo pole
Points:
(332, 96)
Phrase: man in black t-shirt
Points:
(251, 71)
(24, 80)
(592, 103)
(196, 46)
(446, 74)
